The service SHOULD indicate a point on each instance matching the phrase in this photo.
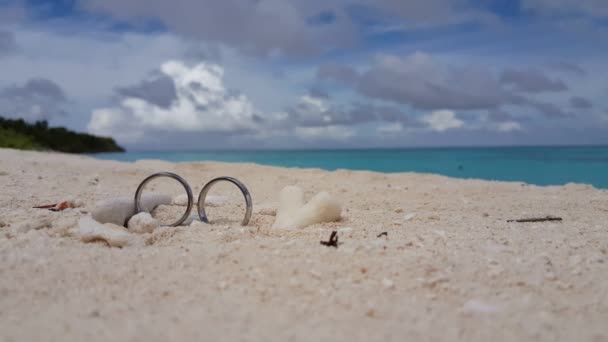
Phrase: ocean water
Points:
(534, 165)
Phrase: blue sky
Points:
(202, 74)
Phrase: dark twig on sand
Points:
(383, 234)
(540, 219)
(48, 206)
(51, 207)
(333, 240)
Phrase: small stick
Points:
(540, 219)
(48, 206)
(383, 234)
(333, 240)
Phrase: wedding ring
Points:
(139, 208)
(241, 186)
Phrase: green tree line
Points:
(39, 136)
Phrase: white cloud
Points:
(314, 109)
(509, 126)
(110, 60)
(425, 82)
(107, 59)
(314, 102)
(442, 120)
(392, 128)
(202, 104)
(324, 132)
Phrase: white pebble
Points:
(408, 217)
(345, 230)
(143, 223)
(90, 230)
(389, 284)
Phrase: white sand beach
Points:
(450, 268)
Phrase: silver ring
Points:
(207, 187)
(140, 188)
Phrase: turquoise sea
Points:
(534, 165)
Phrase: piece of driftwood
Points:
(47, 206)
(383, 234)
(61, 205)
(539, 219)
(333, 240)
(50, 207)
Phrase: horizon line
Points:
(316, 149)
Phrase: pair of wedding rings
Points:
(201, 197)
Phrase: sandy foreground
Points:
(454, 271)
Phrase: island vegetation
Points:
(20, 134)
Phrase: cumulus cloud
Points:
(36, 99)
(442, 120)
(312, 111)
(332, 132)
(423, 82)
(202, 103)
(159, 91)
(495, 121)
(183, 99)
(531, 81)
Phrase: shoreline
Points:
(236, 164)
(449, 258)
(529, 165)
